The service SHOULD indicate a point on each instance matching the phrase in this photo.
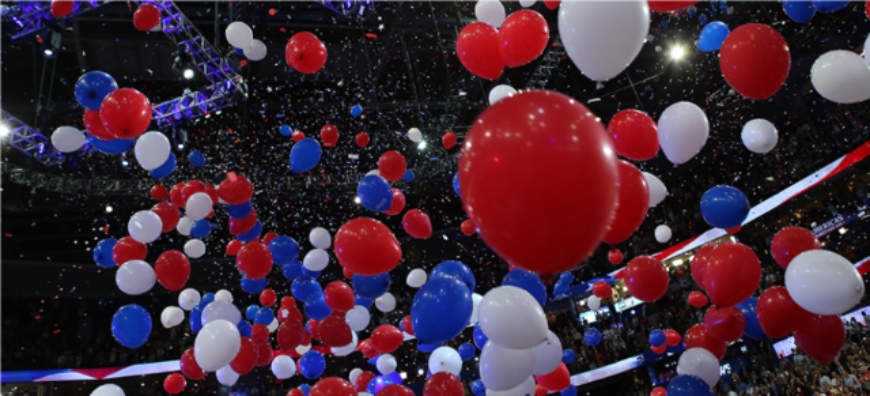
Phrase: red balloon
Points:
(540, 391)
(246, 358)
(62, 8)
(347, 273)
(778, 314)
(235, 189)
(416, 223)
(733, 230)
(175, 195)
(398, 204)
(159, 192)
(821, 337)
(789, 242)
(288, 301)
(174, 383)
(386, 338)
(479, 50)
(366, 348)
(264, 352)
(126, 113)
(289, 312)
(259, 332)
(362, 139)
(699, 264)
(146, 17)
(334, 331)
(646, 278)
(615, 256)
(94, 125)
(241, 226)
(295, 392)
(697, 299)
(168, 213)
(559, 379)
(339, 296)
(669, 5)
(268, 297)
(467, 227)
(755, 60)
(289, 334)
(233, 247)
(127, 249)
(172, 269)
(657, 391)
(442, 384)
(329, 135)
(698, 337)
(672, 337)
(726, 324)
(658, 350)
(733, 273)
(367, 247)
(867, 9)
(313, 326)
(522, 37)
(362, 381)
(552, 4)
(189, 367)
(519, 136)
(448, 140)
(392, 165)
(255, 260)
(305, 53)
(297, 136)
(190, 188)
(268, 237)
(602, 290)
(407, 325)
(395, 390)
(634, 134)
(633, 204)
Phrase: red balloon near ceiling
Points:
(332, 386)
(443, 384)
(159, 192)
(362, 139)
(398, 204)
(386, 338)
(417, 224)
(334, 331)
(669, 5)
(602, 290)
(726, 324)
(523, 37)
(189, 367)
(733, 273)
(478, 49)
(698, 337)
(127, 249)
(697, 299)
(822, 337)
(235, 189)
(367, 247)
(789, 242)
(467, 227)
(699, 264)
(633, 204)
(62, 8)
(146, 17)
(392, 165)
(448, 140)
(246, 357)
(646, 278)
(305, 53)
(172, 269)
(339, 296)
(557, 380)
(126, 113)
(614, 256)
(634, 134)
(168, 213)
(174, 383)
(532, 139)
(255, 260)
(755, 60)
(94, 125)
(329, 135)
(778, 314)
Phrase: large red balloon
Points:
(362, 139)
(448, 140)
(126, 113)
(398, 204)
(305, 53)
(62, 8)
(634, 134)
(235, 189)
(362, 381)
(557, 380)
(733, 273)
(669, 5)
(174, 383)
(697, 299)
(159, 192)
(290, 334)
(601, 289)
(541, 217)
(339, 296)
(367, 247)
(334, 331)
(189, 367)
(246, 358)
(467, 227)
(386, 338)
(646, 278)
(821, 337)
(699, 264)
(755, 60)
(726, 324)
(329, 135)
(789, 242)
(172, 269)
(395, 390)
(168, 213)
(416, 223)
(523, 36)
(698, 337)
(146, 17)
(255, 260)
(442, 383)
(479, 50)
(94, 125)
(632, 205)
(392, 165)
(332, 386)
(127, 249)
(778, 314)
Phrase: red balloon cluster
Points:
(755, 60)
(392, 165)
(172, 269)
(329, 135)
(485, 51)
(125, 113)
(822, 337)
(146, 17)
(305, 53)
(246, 358)
(633, 204)
(646, 278)
(634, 134)
(416, 223)
(366, 246)
(789, 242)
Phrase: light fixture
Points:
(843, 230)
(48, 52)
(4, 130)
(109, 208)
(356, 199)
(124, 162)
(421, 145)
(678, 262)
(188, 73)
(181, 146)
(677, 52)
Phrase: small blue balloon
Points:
(657, 338)
(166, 169)
(251, 312)
(305, 288)
(568, 356)
(527, 281)
(566, 277)
(374, 361)
(456, 184)
(92, 87)
(292, 270)
(478, 337)
(408, 176)
(688, 385)
(702, 19)
(724, 207)
(316, 307)
(712, 36)
(264, 316)
(305, 388)
(829, 6)
(440, 310)
(800, 11)
(245, 329)
(380, 382)
(207, 299)
(200, 228)
(478, 388)
(304, 155)
(131, 326)
(308, 272)
(254, 233)
(196, 158)
(569, 391)
(371, 286)
(454, 269)
(466, 351)
(284, 249)
(240, 211)
(285, 130)
(375, 193)
(592, 336)
(253, 286)
(103, 253)
(195, 319)
(427, 348)
(239, 51)
(753, 328)
(362, 301)
(312, 364)
(356, 110)
(112, 147)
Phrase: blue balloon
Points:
(284, 249)
(285, 130)
(166, 169)
(569, 391)
(92, 87)
(478, 388)
(207, 299)
(375, 193)
(245, 329)
(371, 286)
(456, 184)
(305, 287)
(103, 253)
(440, 310)
(356, 110)
(112, 147)
(196, 158)
(688, 385)
(657, 338)
(724, 206)
(305, 388)
(712, 36)
(292, 270)
(251, 312)
(380, 382)
(454, 269)
(566, 278)
(131, 326)
(264, 316)
(527, 281)
(200, 228)
(753, 328)
(313, 274)
(312, 364)
(195, 319)
(466, 351)
(829, 6)
(408, 176)
(592, 336)
(316, 307)
(374, 361)
(253, 286)
(254, 233)
(426, 348)
(240, 211)
(478, 337)
(800, 11)
(304, 155)
(568, 356)
(362, 301)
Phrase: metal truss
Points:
(29, 16)
(30, 141)
(550, 60)
(349, 7)
(193, 105)
(71, 185)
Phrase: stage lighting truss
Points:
(192, 105)
(27, 17)
(350, 7)
(554, 54)
(29, 140)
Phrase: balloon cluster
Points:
(485, 48)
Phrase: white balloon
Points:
(490, 11)
(316, 260)
(223, 295)
(414, 135)
(867, 49)
(194, 248)
(548, 355)
(358, 318)
(364, 394)
(759, 136)
(145, 226)
(198, 206)
(273, 325)
(374, 172)
(283, 367)
(217, 343)
(502, 368)
(527, 388)
(256, 51)
(386, 364)
(220, 310)
(347, 349)
(226, 376)
(108, 390)
(512, 318)
(842, 77)
(663, 233)
(593, 302)
(475, 302)
(683, 130)
(603, 37)
(67, 139)
(152, 150)
(700, 363)
(823, 282)
(183, 226)
(354, 374)
(135, 277)
(188, 298)
(500, 92)
(527, 3)
(445, 359)
(416, 278)
(301, 349)
(239, 35)
(657, 190)
(171, 316)
(320, 238)
(386, 303)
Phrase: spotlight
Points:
(356, 199)
(4, 131)
(677, 52)
(181, 146)
(109, 208)
(48, 53)
(188, 73)
(421, 145)
(183, 65)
